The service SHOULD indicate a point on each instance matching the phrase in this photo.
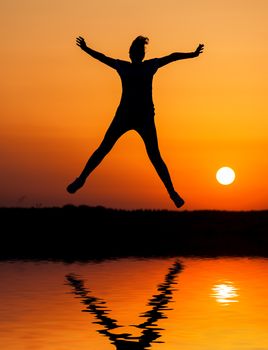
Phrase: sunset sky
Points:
(57, 102)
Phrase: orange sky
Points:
(57, 102)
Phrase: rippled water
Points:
(173, 303)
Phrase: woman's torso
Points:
(137, 80)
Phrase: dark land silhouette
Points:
(135, 110)
(83, 233)
(150, 330)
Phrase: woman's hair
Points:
(137, 48)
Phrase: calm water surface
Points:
(172, 303)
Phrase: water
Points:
(171, 303)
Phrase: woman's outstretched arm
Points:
(80, 41)
(180, 56)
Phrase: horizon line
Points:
(102, 207)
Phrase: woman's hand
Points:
(80, 41)
(199, 49)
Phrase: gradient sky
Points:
(57, 102)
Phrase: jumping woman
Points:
(135, 110)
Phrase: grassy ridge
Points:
(82, 232)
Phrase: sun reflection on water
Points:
(225, 293)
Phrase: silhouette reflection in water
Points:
(150, 330)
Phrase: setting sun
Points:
(58, 102)
(225, 175)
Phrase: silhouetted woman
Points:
(136, 108)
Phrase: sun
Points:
(225, 175)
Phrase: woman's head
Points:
(137, 49)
